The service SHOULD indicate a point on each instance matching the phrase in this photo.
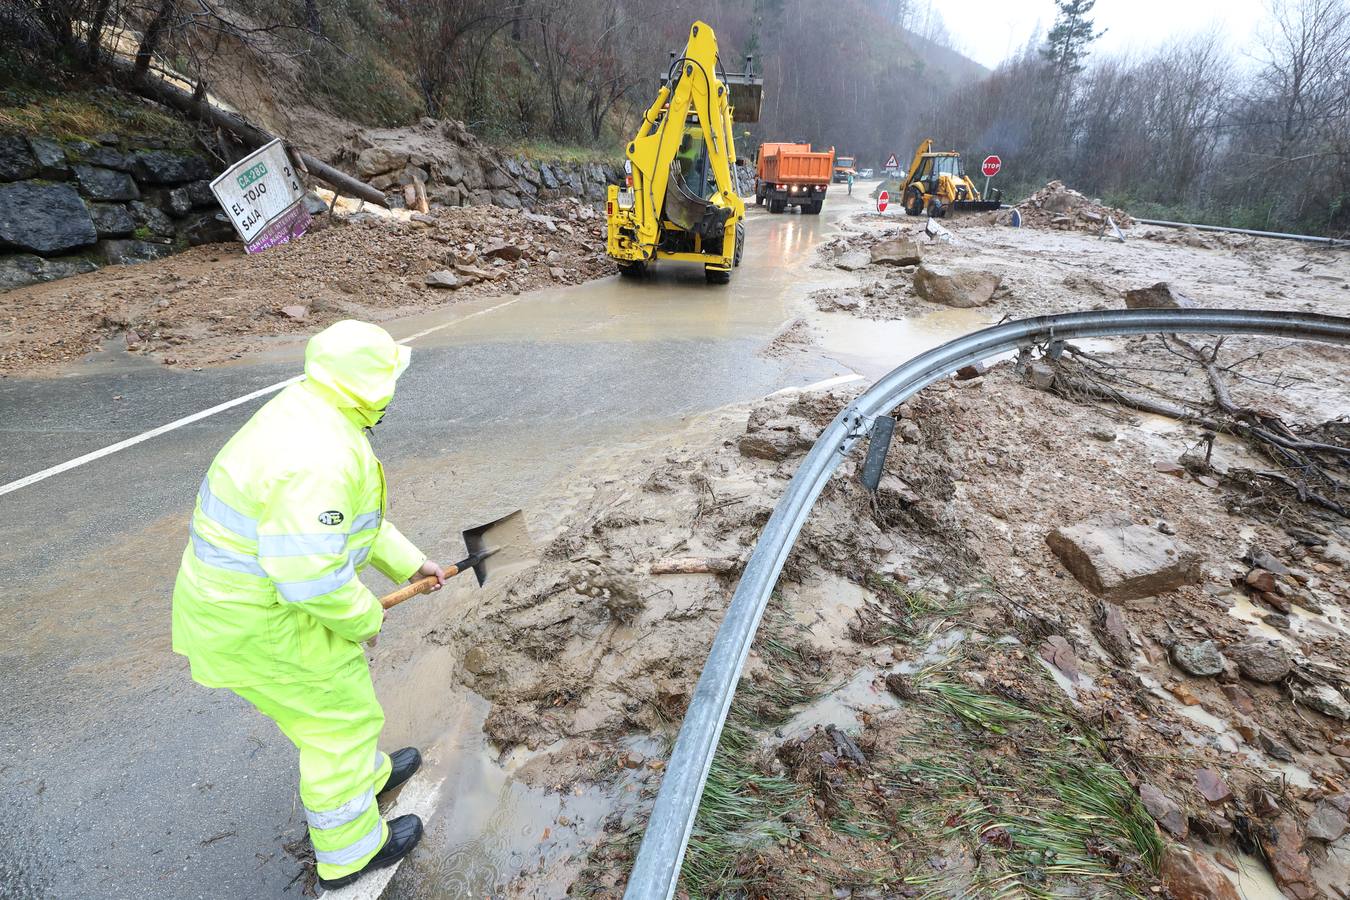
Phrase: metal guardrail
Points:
(657, 868)
(1308, 238)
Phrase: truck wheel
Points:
(740, 244)
(759, 199)
(813, 208)
(776, 206)
(632, 269)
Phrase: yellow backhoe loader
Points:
(679, 201)
(937, 183)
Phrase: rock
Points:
(1325, 699)
(112, 219)
(954, 287)
(1274, 748)
(1189, 875)
(105, 184)
(1167, 467)
(1261, 660)
(128, 252)
(1102, 433)
(774, 444)
(151, 218)
(295, 312)
(479, 661)
(1057, 651)
(1163, 809)
(384, 182)
(633, 760)
(853, 260)
(16, 159)
(1226, 861)
(169, 166)
(1261, 580)
(1041, 375)
(1286, 860)
(444, 278)
(1329, 820)
(1212, 786)
(207, 228)
(1119, 560)
(379, 160)
(1263, 803)
(505, 199)
(974, 370)
(557, 273)
(51, 158)
(1203, 659)
(1113, 632)
(1276, 620)
(504, 250)
(314, 204)
(1161, 296)
(549, 179)
(44, 218)
(897, 252)
(1261, 559)
(105, 157)
(187, 197)
(20, 269)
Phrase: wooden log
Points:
(696, 565)
(250, 135)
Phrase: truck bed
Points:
(787, 164)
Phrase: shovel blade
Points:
(505, 544)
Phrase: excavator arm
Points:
(682, 193)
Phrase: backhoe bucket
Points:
(691, 212)
(747, 93)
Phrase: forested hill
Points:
(848, 73)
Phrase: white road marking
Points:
(415, 798)
(206, 413)
(145, 436)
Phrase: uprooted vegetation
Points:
(936, 703)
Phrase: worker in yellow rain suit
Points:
(269, 603)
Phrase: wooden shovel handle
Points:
(420, 586)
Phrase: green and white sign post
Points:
(263, 197)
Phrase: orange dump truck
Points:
(792, 175)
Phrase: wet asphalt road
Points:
(120, 776)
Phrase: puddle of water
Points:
(1252, 880)
(1244, 610)
(873, 347)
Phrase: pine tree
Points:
(1066, 44)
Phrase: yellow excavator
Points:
(937, 183)
(679, 200)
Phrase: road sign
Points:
(891, 162)
(263, 197)
(990, 166)
(883, 201)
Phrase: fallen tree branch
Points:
(696, 565)
(250, 135)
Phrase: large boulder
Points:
(151, 218)
(98, 183)
(44, 218)
(1189, 875)
(169, 166)
(961, 288)
(112, 219)
(51, 158)
(1161, 296)
(898, 252)
(127, 252)
(16, 160)
(207, 227)
(1202, 659)
(1119, 560)
(374, 161)
(24, 268)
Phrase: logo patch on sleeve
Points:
(331, 517)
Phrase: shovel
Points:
(500, 546)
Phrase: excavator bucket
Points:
(747, 92)
(691, 212)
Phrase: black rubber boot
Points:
(404, 833)
(403, 764)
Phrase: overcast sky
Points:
(989, 30)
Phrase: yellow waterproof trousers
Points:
(335, 724)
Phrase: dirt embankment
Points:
(1067, 646)
(216, 302)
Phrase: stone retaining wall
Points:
(71, 206)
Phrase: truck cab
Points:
(843, 167)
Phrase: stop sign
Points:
(883, 201)
(990, 166)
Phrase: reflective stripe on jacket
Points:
(290, 512)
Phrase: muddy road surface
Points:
(121, 776)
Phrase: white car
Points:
(865, 173)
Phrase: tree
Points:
(1066, 44)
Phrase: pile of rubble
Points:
(1058, 206)
(215, 302)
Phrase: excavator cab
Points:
(680, 201)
